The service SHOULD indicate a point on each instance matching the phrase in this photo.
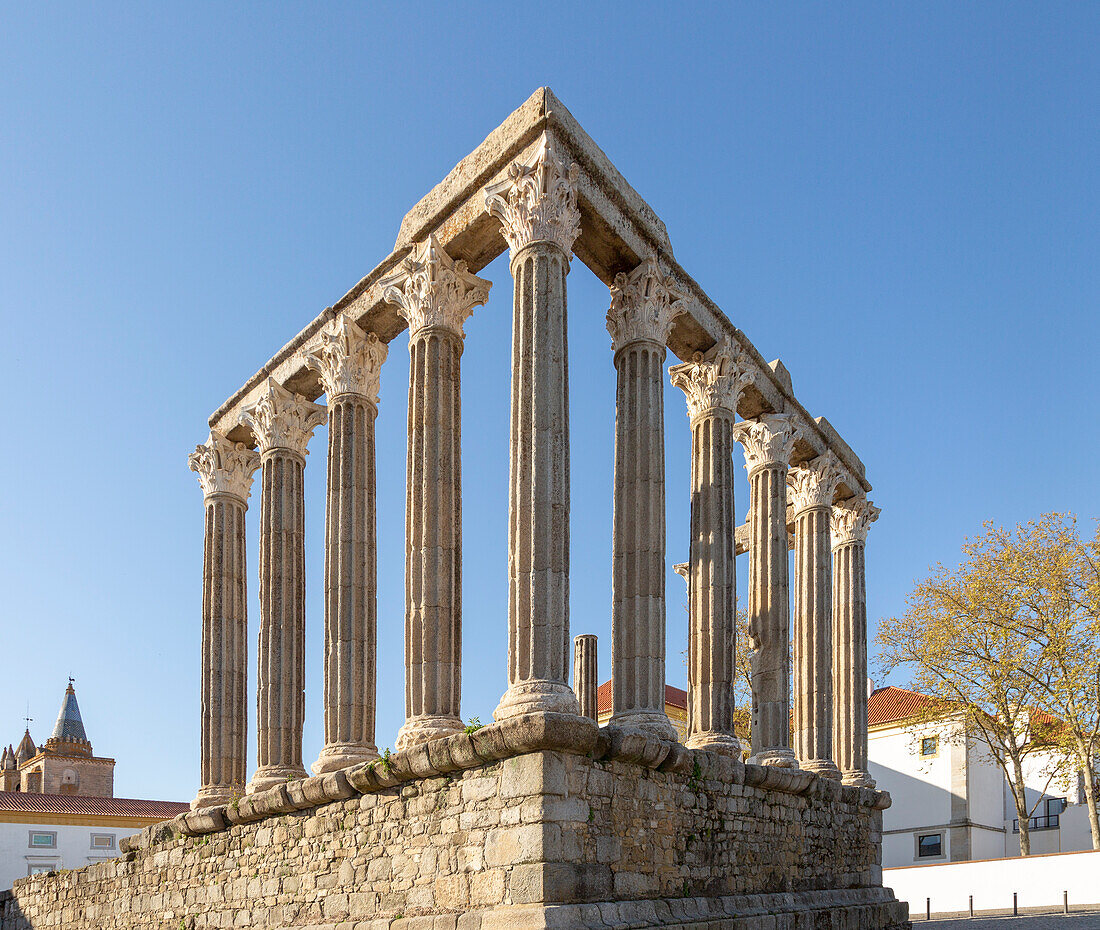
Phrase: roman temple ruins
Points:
(541, 818)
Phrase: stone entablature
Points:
(511, 826)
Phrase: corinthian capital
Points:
(711, 384)
(768, 440)
(224, 467)
(348, 359)
(813, 484)
(433, 291)
(643, 305)
(537, 202)
(283, 420)
(851, 519)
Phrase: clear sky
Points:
(902, 201)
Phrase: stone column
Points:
(768, 442)
(851, 520)
(812, 487)
(282, 424)
(712, 387)
(537, 207)
(435, 295)
(585, 684)
(349, 362)
(225, 473)
(643, 307)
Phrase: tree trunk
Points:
(1088, 770)
(1019, 795)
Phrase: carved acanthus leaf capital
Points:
(433, 291)
(851, 520)
(643, 305)
(814, 483)
(711, 384)
(768, 440)
(537, 202)
(348, 359)
(224, 467)
(281, 419)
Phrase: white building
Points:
(952, 801)
(47, 832)
(56, 804)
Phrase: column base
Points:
(655, 723)
(712, 741)
(825, 768)
(858, 778)
(537, 696)
(780, 758)
(213, 795)
(424, 729)
(337, 756)
(269, 776)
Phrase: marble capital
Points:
(711, 384)
(433, 291)
(814, 483)
(852, 519)
(768, 440)
(537, 202)
(224, 467)
(281, 419)
(644, 304)
(348, 359)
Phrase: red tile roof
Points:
(677, 697)
(28, 803)
(885, 705)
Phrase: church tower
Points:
(65, 764)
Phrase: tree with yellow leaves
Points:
(1006, 633)
(1056, 578)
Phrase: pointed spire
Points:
(7, 760)
(26, 750)
(69, 726)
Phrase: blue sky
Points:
(900, 201)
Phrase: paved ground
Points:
(1026, 922)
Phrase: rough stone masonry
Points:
(541, 818)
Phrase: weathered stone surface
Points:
(349, 362)
(712, 387)
(769, 442)
(542, 839)
(643, 305)
(812, 487)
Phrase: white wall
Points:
(1038, 880)
(74, 848)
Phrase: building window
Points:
(42, 840)
(103, 841)
(39, 869)
(930, 846)
(930, 745)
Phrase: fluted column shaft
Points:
(851, 521)
(769, 615)
(538, 525)
(850, 663)
(225, 651)
(280, 699)
(638, 540)
(433, 546)
(351, 603)
(225, 471)
(813, 643)
(712, 586)
(282, 423)
(585, 683)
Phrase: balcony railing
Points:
(1045, 822)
